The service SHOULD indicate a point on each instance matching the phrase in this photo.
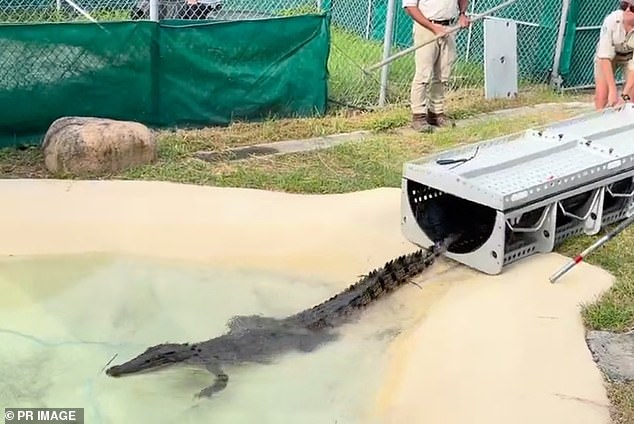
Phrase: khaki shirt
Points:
(613, 42)
(437, 10)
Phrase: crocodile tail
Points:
(387, 279)
(372, 287)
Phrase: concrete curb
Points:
(282, 147)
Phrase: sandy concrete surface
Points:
(483, 349)
(328, 236)
(502, 349)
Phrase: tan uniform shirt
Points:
(613, 42)
(437, 10)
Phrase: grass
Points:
(622, 398)
(350, 54)
(348, 167)
(176, 146)
(462, 105)
(65, 14)
(615, 311)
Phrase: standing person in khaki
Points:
(615, 49)
(434, 62)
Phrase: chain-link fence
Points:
(37, 11)
(359, 28)
(579, 38)
(358, 31)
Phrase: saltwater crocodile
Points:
(258, 339)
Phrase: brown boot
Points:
(420, 123)
(439, 120)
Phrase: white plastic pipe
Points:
(387, 48)
(468, 48)
(154, 10)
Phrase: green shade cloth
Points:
(173, 73)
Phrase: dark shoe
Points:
(420, 123)
(439, 120)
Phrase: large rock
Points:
(613, 353)
(94, 146)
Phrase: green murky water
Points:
(63, 318)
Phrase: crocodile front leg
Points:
(220, 381)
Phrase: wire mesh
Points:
(358, 34)
(357, 37)
(355, 43)
(38, 11)
(46, 61)
(584, 25)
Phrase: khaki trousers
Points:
(434, 64)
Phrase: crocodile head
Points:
(154, 357)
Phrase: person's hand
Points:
(613, 98)
(463, 21)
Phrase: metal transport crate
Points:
(522, 194)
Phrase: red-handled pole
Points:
(581, 256)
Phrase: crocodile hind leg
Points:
(220, 381)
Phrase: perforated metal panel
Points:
(500, 58)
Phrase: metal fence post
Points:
(155, 61)
(468, 48)
(368, 20)
(154, 10)
(555, 78)
(387, 49)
